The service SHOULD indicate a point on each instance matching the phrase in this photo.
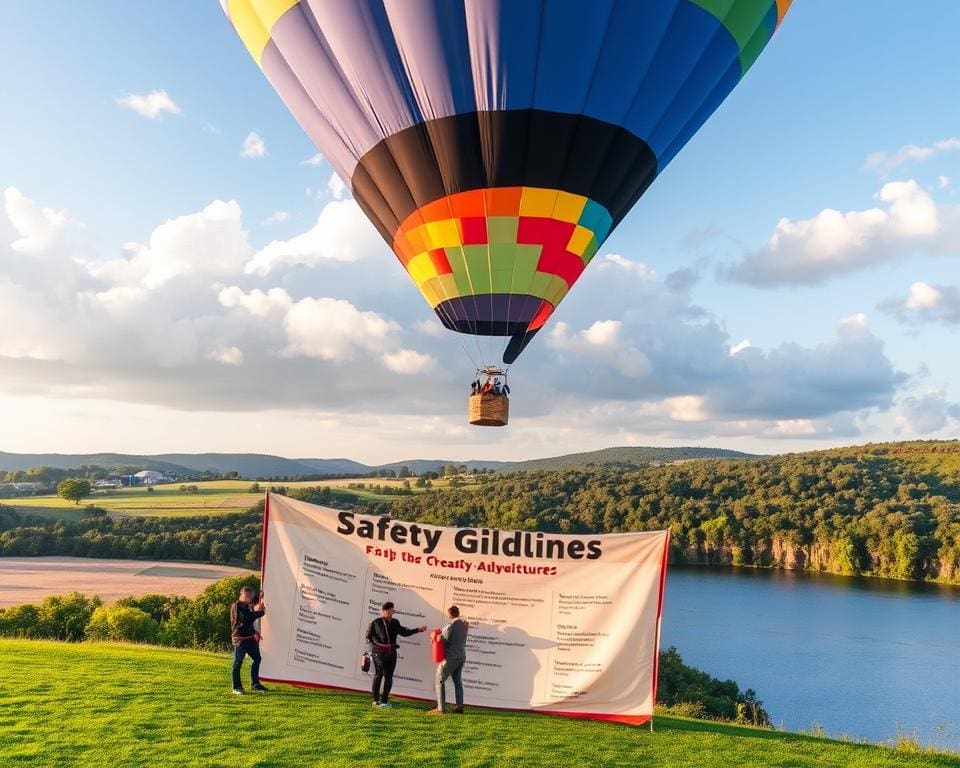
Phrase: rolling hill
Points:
(258, 465)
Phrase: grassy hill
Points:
(627, 457)
(80, 705)
(257, 465)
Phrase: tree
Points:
(125, 623)
(404, 471)
(74, 489)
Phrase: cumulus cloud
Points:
(739, 347)
(209, 243)
(811, 251)
(253, 146)
(408, 362)
(39, 228)
(342, 233)
(336, 186)
(333, 329)
(430, 326)
(928, 413)
(226, 355)
(277, 217)
(170, 319)
(926, 303)
(885, 162)
(151, 105)
(616, 262)
(602, 341)
(256, 302)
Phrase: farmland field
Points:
(213, 497)
(30, 579)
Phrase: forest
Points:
(889, 510)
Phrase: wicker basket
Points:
(489, 410)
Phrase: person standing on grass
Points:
(454, 638)
(382, 636)
(245, 638)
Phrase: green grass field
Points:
(215, 497)
(89, 705)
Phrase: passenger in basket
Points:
(382, 636)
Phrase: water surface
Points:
(861, 657)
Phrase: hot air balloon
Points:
(495, 144)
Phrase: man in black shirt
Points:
(245, 638)
(382, 636)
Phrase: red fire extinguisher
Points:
(437, 647)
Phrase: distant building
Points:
(149, 477)
(30, 487)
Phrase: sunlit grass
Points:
(81, 705)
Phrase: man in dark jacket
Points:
(382, 636)
(245, 638)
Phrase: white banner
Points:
(563, 624)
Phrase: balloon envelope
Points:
(496, 143)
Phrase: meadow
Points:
(87, 704)
(213, 497)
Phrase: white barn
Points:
(149, 477)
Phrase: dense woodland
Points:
(884, 510)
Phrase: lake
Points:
(861, 657)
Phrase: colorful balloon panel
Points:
(496, 143)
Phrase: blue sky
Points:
(839, 82)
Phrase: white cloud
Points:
(885, 162)
(150, 105)
(209, 243)
(739, 347)
(39, 228)
(314, 161)
(923, 296)
(342, 233)
(853, 326)
(926, 303)
(169, 321)
(408, 362)
(336, 186)
(430, 326)
(811, 251)
(253, 146)
(602, 342)
(226, 355)
(635, 268)
(943, 181)
(333, 329)
(256, 302)
(277, 217)
(929, 413)
(686, 408)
